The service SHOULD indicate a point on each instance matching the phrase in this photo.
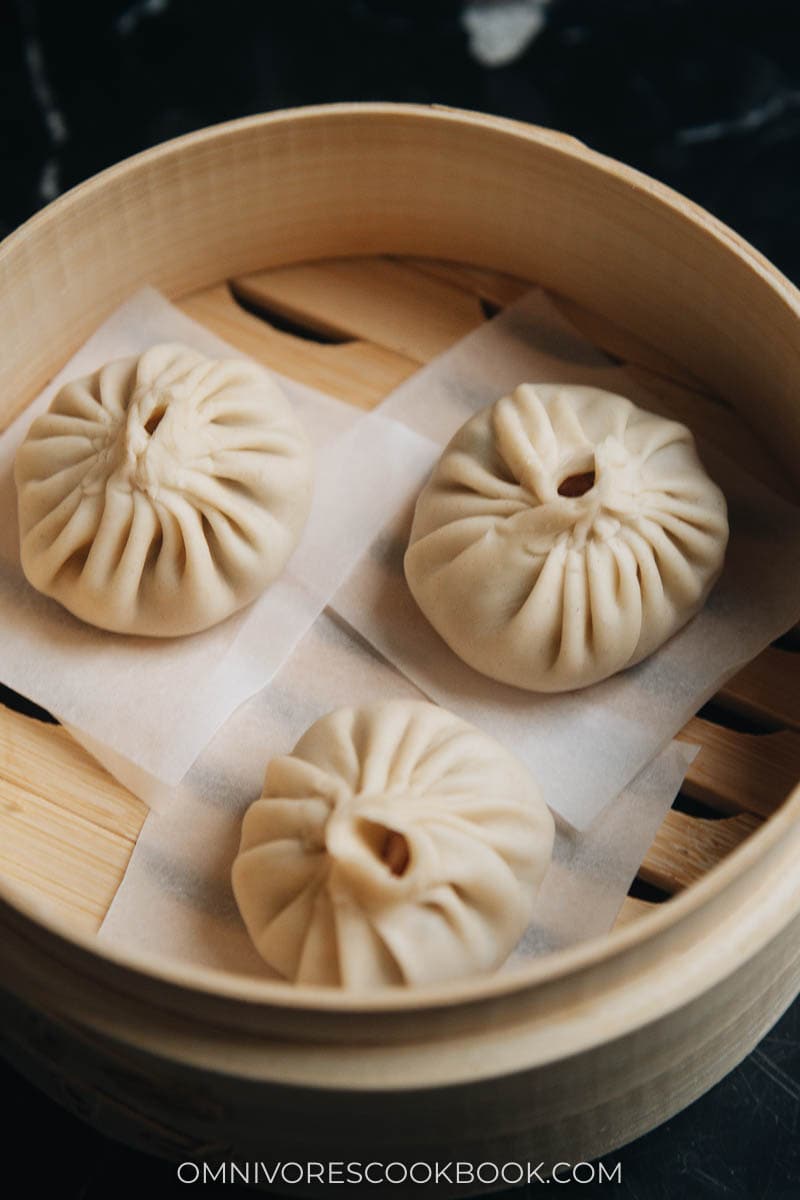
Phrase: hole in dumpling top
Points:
(579, 480)
(386, 844)
(154, 420)
(576, 485)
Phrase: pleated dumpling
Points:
(395, 845)
(564, 534)
(162, 493)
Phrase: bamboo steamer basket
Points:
(587, 1048)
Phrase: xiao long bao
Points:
(395, 845)
(162, 493)
(564, 535)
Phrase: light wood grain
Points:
(493, 286)
(741, 772)
(378, 300)
(73, 863)
(33, 752)
(687, 848)
(67, 828)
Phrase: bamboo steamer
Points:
(585, 1049)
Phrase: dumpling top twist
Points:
(396, 844)
(162, 493)
(564, 535)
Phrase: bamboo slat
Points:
(67, 839)
(491, 286)
(686, 848)
(741, 772)
(377, 300)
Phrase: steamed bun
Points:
(396, 844)
(565, 534)
(162, 493)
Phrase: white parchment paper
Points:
(584, 747)
(150, 704)
(593, 869)
(176, 898)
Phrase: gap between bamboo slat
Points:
(768, 688)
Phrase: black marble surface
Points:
(702, 94)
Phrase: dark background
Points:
(703, 95)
